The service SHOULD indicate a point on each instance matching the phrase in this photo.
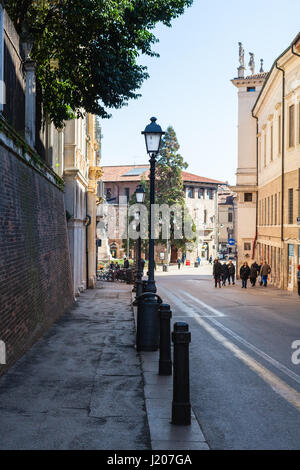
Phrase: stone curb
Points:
(158, 400)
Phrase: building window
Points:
(126, 193)
(108, 193)
(190, 193)
(279, 134)
(200, 193)
(247, 246)
(229, 216)
(290, 202)
(272, 209)
(205, 216)
(265, 214)
(292, 125)
(299, 123)
(209, 193)
(298, 192)
(248, 197)
(250, 88)
(271, 142)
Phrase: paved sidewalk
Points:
(158, 394)
(80, 386)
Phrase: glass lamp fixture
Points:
(153, 133)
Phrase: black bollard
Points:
(165, 362)
(181, 407)
(147, 329)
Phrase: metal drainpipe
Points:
(282, 164)
(86, 240)
(256, 202)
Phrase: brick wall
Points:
(35, 274)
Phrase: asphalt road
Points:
(245, 389)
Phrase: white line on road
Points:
(280, 387)
(208, 307)
(253, 348)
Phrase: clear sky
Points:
(189, 85)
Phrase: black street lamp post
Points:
(140, 197)
(153, 134)
(147, 333)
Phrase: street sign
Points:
(162, 255)
(231, 241)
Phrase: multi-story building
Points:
(277, 111)
(249, 88)
(275, 114)
(120, 183)
(226, 220)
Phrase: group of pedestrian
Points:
(226, 272)
(253, 272)
(223, 273)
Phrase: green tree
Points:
(169, 190)
(87, 51)
(169, 187)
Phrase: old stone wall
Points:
(35, 273)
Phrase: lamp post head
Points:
(27, 41)
(153, 133)
(140, 194)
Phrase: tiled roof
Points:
(198, 179)
(116, 174)
(257, 75)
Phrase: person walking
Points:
(210, 260)
(198, 260)
(298, 279)
(217, 272)
(231, 272)
(179, 263)
(254, 270)
(244, 274)
(224, 273)
(265, 271)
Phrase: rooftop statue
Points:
(252, 63)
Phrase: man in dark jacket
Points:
(254, 271)
(217, 272)
(231, 272)
(224, 273)
(244, 274)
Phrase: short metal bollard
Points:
(181, 407)
(165, 362)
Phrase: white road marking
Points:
(253, 348)
(208, 307)
(279, 386)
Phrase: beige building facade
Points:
(269, 151)
(277, 111)
(201, 200)
(74, 153)
(249, 88)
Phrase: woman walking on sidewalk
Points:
(265, 271)
(244, 274)
(254, 270)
